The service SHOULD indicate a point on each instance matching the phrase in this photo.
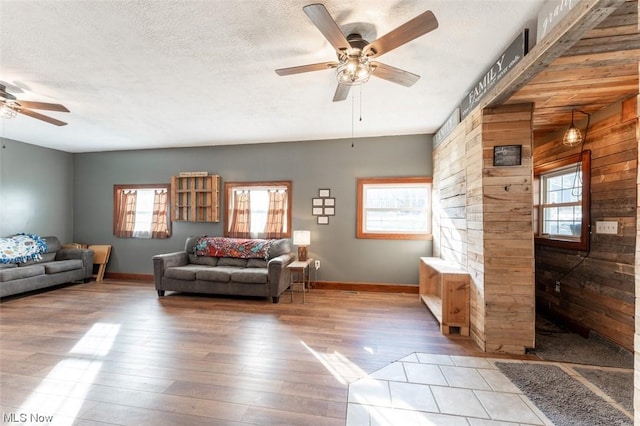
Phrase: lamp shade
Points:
(301, 238)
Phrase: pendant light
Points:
(572, 136)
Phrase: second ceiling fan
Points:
(355, 65)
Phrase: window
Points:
(562, 202)
(257, 209)
(394, 208)
(141, 211)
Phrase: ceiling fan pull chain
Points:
(352, 116)
(360, 103)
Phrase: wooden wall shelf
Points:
(195, 198)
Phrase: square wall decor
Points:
(323, 206)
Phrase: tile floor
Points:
(425, 389)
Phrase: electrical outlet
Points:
(317, 264)
(606, 227)
(557, 286)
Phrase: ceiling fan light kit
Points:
(355, 65)
(354, 70)
(6, 112)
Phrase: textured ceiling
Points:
(150, 74)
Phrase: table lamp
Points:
(302, 239)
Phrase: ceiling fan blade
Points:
(40, 116)
(342, 91)
(406, 32)
(306, 68)
(42, 105)
(394, 75)
(327, 26)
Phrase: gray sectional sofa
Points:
(57, 266)
(231, 270)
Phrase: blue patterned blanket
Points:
(21, 248)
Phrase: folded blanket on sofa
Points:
(233, 247)
(21, 248)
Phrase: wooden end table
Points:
(300, 273)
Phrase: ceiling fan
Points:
(355, 65)
(10, 106)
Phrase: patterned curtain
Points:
(126, 214)
(241, 215)
(275, 215)
(159, 225)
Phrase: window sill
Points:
(381, 236)
(563, 242)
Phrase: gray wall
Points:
(332, 164)
(36, 190)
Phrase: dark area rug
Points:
(617, 384)
(554, 343)
(563, 399)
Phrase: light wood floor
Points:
(112, 352)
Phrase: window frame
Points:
(582, 242)
(118, 188)
(360, 218)
(229, 187)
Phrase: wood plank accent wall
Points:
(451, 234)
(486, 229)
(475, 231)
(636, 383)
(599, 294)
(450, 161)
(508, 232)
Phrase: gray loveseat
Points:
(226, 266)
(57, 266)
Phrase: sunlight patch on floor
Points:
(64, 390)
(97, 341)
(338, 365)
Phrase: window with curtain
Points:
(562, 202)
(141, 211)
(257, 209)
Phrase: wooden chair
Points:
(100, 257)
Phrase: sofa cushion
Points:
(219, 274)
(8, 265)
(232, 261)
(203, 260)
(190, 244)
(10, 274)
(256, 263)
(53, 244)
(251, 276)
(187, 272)
(62, 266)
(279, 247)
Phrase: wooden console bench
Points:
(444, 288)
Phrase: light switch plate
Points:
(606, 227)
